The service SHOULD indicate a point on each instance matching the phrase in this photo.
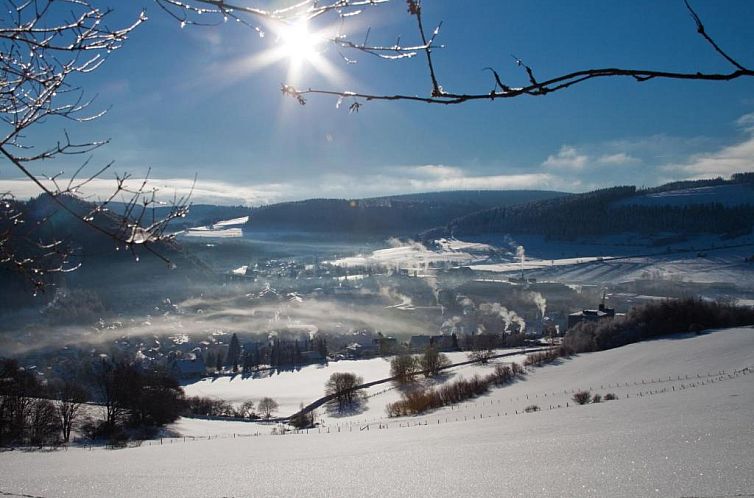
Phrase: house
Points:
(312, 357)
(385, 345)
(188, 365)
(444, 342)
(356, 351)
(590, 315)
(419, 343)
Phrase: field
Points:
(681, 426)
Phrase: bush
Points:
(597, 398)
(482, 356)
(582, 397)
(610, 396)
(421, 400)
(94, 430)
(503, 374)
(540, 358)
(531, 408)
(518, 370)
(207, 407)
(302, 420)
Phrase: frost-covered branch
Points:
(246, 11)
(44, 46)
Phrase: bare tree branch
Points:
(310, 9)
(43, 44)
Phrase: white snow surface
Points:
(722, 265)
(666, 435)
(414, 255)
(292, 388)
(222, 233)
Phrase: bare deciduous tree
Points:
(432, 361)
(267, 406)
(70, 399)
(403, 367)
(246, 410)
(342, 386)
(46, 48)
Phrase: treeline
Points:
(199, 406)
(276, 353)
(27, 417)
(386, 215)
(735, 178)
(134, 403)
(340, 215)
(654, 320)
(598, 213)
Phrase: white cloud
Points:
(735, 158)
(746, 122)
(567, 158)
(502, 182)
(210, 192)
(619, 159)
(386, 181)
(438, 170)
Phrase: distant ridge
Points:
(689, 207)
(382, 216)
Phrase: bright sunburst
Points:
(298, 44)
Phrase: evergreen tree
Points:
(246, 363)
(297, 358)
(234, 353)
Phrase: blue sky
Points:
(188, 101)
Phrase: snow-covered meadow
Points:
(681, 426)
(295, 387)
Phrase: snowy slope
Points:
(694, 440)
(719, 265)
(727, 195)
(292, 388)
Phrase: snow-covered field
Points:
(725, 265)
(416, 256)
(292, 388)
(727, 195)
(682, 426)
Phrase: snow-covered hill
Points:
(727, 195)
(681, 426)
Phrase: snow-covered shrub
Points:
(582, 397)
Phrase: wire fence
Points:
(478, 409)
(475, 410)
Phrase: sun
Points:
(298, 44)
